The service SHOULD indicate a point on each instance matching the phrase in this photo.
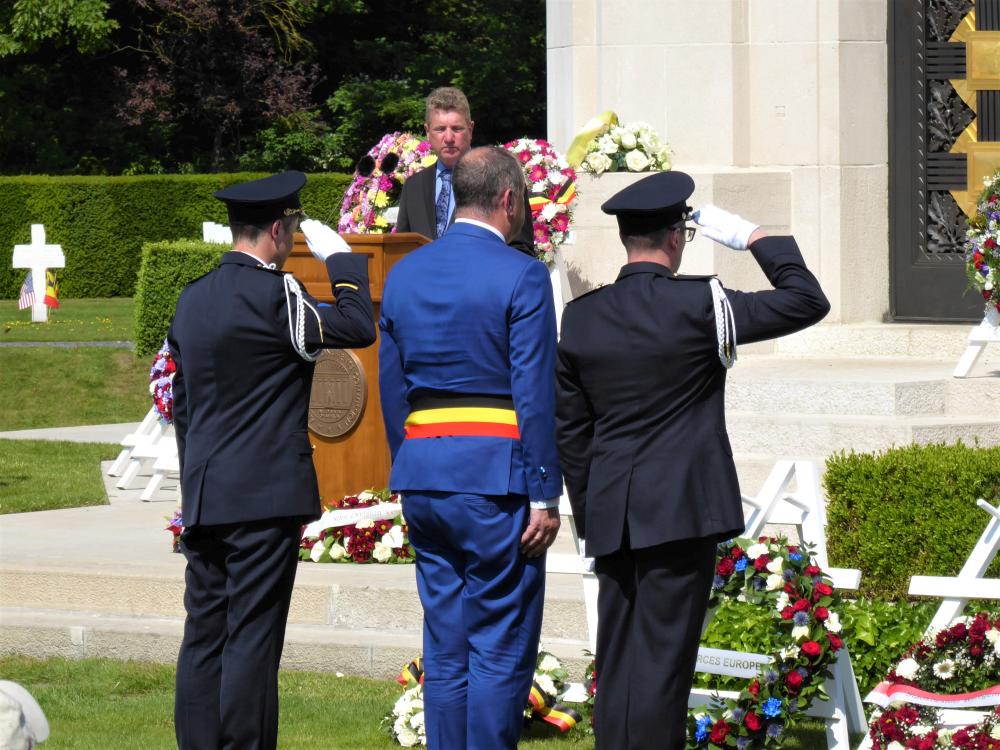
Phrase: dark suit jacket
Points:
(416, 211)
(466, 315)
(241, 392)
(641, 394)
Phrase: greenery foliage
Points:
(167, 267)
(103, 222)
(875, 633)
(47, 475)
(908, 511)
(74, 320)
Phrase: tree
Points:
(26, 24)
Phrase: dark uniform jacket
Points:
(641, 394)
(416, 211)
(241, 392)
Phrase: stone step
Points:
(780, 434)
(908, 387)
(369, 652)
(944, 343)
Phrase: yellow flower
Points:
(428, 160)
(381, 199)
(380, 221)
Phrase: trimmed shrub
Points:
(103, 222)
(167, 267)
(908, 511)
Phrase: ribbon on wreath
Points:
(544, 707)
(886, 693)
(593, 128)
(412, 674)
(566, 194)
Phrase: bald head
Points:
(482, 176)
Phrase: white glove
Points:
(725, 228)
(323, 241)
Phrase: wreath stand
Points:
(149, 442)
(955, 592)
(983, 334)
(806, 510)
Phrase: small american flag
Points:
(27, 296)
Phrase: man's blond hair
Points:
(449, 99)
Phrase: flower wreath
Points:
(982, 244)
(551, 192)
(405, 723)
(362, 528)
(161, 384)
(378, 183)
(957, 667)
(803, 603)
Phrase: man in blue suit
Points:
(467, 361)
(244, 338)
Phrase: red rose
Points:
(907, 714)
(761, 562)
(725, 566)
(990, 242)
(787, 613)
(794, 682)
(811, 649)
(961, 738)
(754, 688)
(812, 570)
(975, 651)
(801, 605)
(821, 613)
(788, 589)
(835, 643)
(942, 639)
(753, 722)
(927, 742)
(977, 258)
(719, 731)
(958, 630)
(823, 589)
(737, 552)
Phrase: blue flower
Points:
(771, 709)
(774, 730)
(738, 714)
(803, 671)
(742, 743)
(702, 727)
(770, 677)
(718, 582)
(758, 583)
(801, 618)
(788, 574)
(795, 557)
(741, 565)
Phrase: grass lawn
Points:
(56, 387)
(109, 319)
(45, 475)
(93, 704)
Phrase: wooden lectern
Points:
(345, 412)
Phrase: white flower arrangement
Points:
(633, 147)
(408, 718)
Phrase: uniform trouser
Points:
(651, 606)
(482, 603)
(238, 586)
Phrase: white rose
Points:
(549, 662)
(800, 631)
(616, 134)
(407, 738)
(417, 720)
(394, 537)
(598, 162)
(775, 565)
(649, 142)
(607, 145)
(365, 523)
(628, 141)
(337, 551)
(545, 683)
(636, 161)
(944, 737)
(907, 669)
(756, 550)
(833, 623)
(316, 552)
(790, 652)
(775, 581)
(152, 387)
(549, 211)
(995, 732)
(556, 177)
(400, 724)
(920, 729)
(896, 746)
(381, 553)
(367, 496)
(663, 157)
(782, 602)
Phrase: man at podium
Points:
(467, 368)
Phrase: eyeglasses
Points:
(688, 231)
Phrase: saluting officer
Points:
(244, 338)
(642, 439)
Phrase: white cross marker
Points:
(38, 257)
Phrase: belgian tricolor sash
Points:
(461, 415)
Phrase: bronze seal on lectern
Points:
(339, 393)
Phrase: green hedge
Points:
(103, 222)
(908, 511)
(167, 267)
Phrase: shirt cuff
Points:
(544, 504)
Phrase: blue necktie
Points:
(443, 199)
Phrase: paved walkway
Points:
(73, 344)
(95, 433)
